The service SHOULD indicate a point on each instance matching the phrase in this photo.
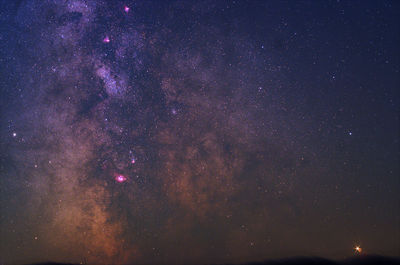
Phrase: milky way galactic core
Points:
(180, 132)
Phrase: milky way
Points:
(181, 132)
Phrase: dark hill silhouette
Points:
(360, 260)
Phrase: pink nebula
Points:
(120, 178)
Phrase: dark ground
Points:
(362, 260)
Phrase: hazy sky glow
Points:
(198, 131)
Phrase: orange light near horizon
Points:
(358, 249)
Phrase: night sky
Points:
(198, 131)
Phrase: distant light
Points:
(358, 249)
(106, 39)
(126, 9)
(133, 161)
(14, 134)
(350, 133)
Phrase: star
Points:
(358, 249)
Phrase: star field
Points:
(187, 132)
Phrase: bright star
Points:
(358, 249)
